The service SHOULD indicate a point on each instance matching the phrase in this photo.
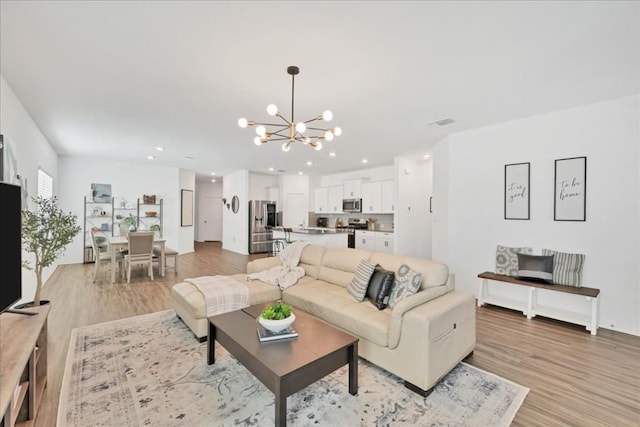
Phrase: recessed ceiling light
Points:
(160, 148)
(270, 169)
(213, 180)
(365, 161)
(300, 173)
(189, 157)
(151, 157)
(309, 163)
(332, 154)
(426, 156)
(213, 173)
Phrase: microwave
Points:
(351, 205)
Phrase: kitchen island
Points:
(315, 235)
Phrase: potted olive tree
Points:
(46, 232)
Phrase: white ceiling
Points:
(116, 79)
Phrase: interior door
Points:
(211, 219)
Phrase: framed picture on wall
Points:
(516, 191)
(570, 189)
(186, 217)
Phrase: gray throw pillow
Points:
(507, 259)
(380, 287)
(567, 268)
(407, 282)
(537, 268)
(358, 285)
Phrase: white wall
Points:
(128, 180)
(260, 184)
(186, 235)
(235, 235)
(472, 180)
(32, 151)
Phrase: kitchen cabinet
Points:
(335, 195)
(321, 200)
(384, 242)
(378, 197)
(366, 240)
(353, 188)
(388, 195)
(374, 241)
(372, 197)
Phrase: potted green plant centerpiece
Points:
(130, 222)
(277, 317)
(46, 231)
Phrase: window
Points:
(45, 184)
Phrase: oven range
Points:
(353, 224)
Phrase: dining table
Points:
(119, 243)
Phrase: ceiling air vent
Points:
(442, 122)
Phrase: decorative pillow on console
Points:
(380, 287)
(507, 259)
(567, 268)
(358, 285)
(407, 282)
(538, 268)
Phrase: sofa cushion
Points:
(535, 267)
(507, 259)
(311, 258)
(358, 285)
(339, 265)
(336, 306)
(407, 282)
(433, 273)
(380, 287)
(567, 268)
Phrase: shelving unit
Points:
(124, 211)
(98, 215)
(23, 350)
(145, 221)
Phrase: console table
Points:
(530, 307)
(23, 367)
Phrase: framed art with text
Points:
(186, 216)
(570, 189)
(516, 191)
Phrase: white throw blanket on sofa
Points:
(287, 274)
(221, 293)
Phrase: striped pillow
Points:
(567, 268)
(358, 285)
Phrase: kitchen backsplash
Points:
(384, 222)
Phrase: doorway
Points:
(210, 219)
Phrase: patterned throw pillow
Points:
(538, 268)
(358, 285)
(567, 268)
(407, 282)
(507, 259)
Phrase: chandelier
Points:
(290, 131)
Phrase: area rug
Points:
(151, 371)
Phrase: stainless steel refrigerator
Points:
(262, 218)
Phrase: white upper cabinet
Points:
(321, 200)
(353, 188)
(377, 197)
(335, 195)
(388, 195)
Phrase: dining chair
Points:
(140, 251)
(103, 254)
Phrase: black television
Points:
(10, 245)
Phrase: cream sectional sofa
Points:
(420, 340)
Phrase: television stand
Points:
(23, 371)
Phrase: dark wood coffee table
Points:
(289, 365)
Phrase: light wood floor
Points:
(575, 379)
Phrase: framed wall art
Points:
(186, 217)
(517, 191)
(570, 189)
